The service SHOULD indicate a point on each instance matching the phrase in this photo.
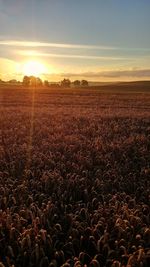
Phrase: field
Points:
(74, 177)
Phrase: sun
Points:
(33, 68)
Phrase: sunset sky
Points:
(100, 40)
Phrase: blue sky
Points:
(96, 39)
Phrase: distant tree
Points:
(39, 81)
(2, 82)
(76, 83)
(26, 80)
(84, 83)
(13, 81)
(32, 81)
(65, 83)
(46, 83)
(54, 85)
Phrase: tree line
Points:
(36, 81)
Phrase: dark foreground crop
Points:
(74, 178)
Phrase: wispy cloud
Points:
(39, 54)
(71, 46)
(56, 45)
(137, 73)
(127, 73)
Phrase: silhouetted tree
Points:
(39, 81)
(26, 80)
(76, 83)
(32, 81)
(13, 81)
(46, 83)
(84, 83)
(65, 83)
(2, 82)
(54, 85)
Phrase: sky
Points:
(97, 40)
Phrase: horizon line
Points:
(111, 74)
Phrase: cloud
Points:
(39, 54)
(67, 46)
(128, 73)
(138, 73)
(56, 45)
